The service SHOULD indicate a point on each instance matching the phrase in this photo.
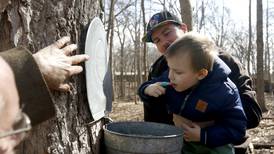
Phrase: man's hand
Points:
(57, 65)
(191, 130)
(155, 90)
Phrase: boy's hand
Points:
(191, 130)
(192, 133)
(155, 90)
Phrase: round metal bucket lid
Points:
(97, 69)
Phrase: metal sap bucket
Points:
(142, 138)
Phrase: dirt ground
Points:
(262, 137)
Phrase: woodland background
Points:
(251, 41)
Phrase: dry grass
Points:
(127, 111)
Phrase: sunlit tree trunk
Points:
(110, 34)
(144, 43)
(260, 56)
(249, 38)
(186, 13)
(138, 49)
(267, 50)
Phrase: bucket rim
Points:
(143, 136)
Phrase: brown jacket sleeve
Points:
(34, 94)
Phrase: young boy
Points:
(200, 91)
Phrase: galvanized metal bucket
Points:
(142, 138)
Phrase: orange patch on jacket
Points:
(201, 106)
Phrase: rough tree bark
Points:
(36, 24)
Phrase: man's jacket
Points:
(215, 98)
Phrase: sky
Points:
(238, 8)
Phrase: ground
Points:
(262, 137)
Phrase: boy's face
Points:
(163, 36)
(181, 74)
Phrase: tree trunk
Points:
(249, 38)
(268, 67)
(110, 20)
(222, 28)
(110, 34)
(202, 21)
(260, 55)
(144, 43)
(186, 13)
(137, 49)
(36, 24)
(139, 54)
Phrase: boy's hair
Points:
(200, 48)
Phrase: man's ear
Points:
(202, 73)
(184, 27)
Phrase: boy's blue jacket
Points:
(214, 98)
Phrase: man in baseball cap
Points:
(159, 19)
(163, 29)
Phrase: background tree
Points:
(267, 52)
(249, 37)
(144, 43)
(260, 56)
(35, 24)
(122, 38)
(186, 13)
(110, 34)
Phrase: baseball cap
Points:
(158, 20)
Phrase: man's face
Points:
(165, 35)
(9, 108)
(181, 73)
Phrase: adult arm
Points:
(247, 93)
(34, 94)
(46, 69)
